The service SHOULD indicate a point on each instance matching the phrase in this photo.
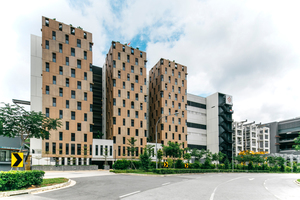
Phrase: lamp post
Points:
(156, 131)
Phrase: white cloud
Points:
(248, 49)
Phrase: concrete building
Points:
(126, 98)
(282, 135)
(61, 87)
(168, 95)
(251, 137)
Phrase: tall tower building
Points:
(61, 87)
(126, 98)
(168, 95)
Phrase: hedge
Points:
(181, 171)
(13, 180)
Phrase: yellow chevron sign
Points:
(166, 164)
(17, 159)
(186, 165)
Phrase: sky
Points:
(247, 49)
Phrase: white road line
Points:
(129, 194)
(213, 194)
(166, 183)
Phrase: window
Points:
(67, 61)
(128, 77)
(132, 51)
(53, 57)
(78, 105)
(176, 128)
(85, 117)
(137, 79)
(47, 112)
(72, 115)
(128, 131)
(72, 73)
(78, 85)
(182, 113)
(179, 105)
(162, 94)
(114, 120)
(136, 61)
(119, 111)
(124, 121)
(176, 97)
(79, 43)
(132, 104)
(175, 81)
(91, 67)
(46, 22)
(132, 86)
(114, 82)
(136, 132)
(128, 58)
(67, 82)
(145, 115)
(47, 67)
(179, 136)
(67, 149)
(123, 85)
(141, 54)
(123, 103)
(72, 94)
(60, 27)
(132, 69)
(128, 95)
(54, 80)
(91, 127)
(67, 39)
(72, 52)
(72, 149)
(67, 125)
(47, 44)
(128, 113)
(91, 46)
(179, 75)
(132, 122)
(53, 148)
(72, 30)
(67, 103)
(182, 98)
(85, 96)
(162, 77)
(79, 64)
(79, 149)
(84, 35)
(136, 96)
(179, 121)
(60, 114)
(114, 101)
(78, 126)
(85, 55)
(72, 136)
(85, 76)
(47, 89)
(162, 110)
(123, 48)
(136, 114)
(119, 130)
(91, 107)
(172, 72)
(91, 87)
(119, 56)
(53, 35)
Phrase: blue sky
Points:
(247, 48)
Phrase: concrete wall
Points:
(212, 109)
(103, 143)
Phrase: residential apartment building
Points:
(126, 98)
(61, 87)
(250, 137)
(167, 96)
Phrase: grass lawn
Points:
(53, 181)
(298, 180)
(132, 171)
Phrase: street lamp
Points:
(176, 112)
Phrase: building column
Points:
(76, 163)
(291, 160)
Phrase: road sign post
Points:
(17, 159)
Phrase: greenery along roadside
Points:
(53, 181)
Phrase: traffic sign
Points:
(186, 165)
(166, 164)
(16, 159)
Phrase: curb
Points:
(37, 190)
(298, 183)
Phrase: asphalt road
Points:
(104, 185)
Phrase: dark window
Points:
(85, 96)
(85, 137)
(72, 149)
(114, 139)
(72, 136)
(53, 57)
(47, 89)
(78, 149)
(119, 151)
(60, 70)
(78, 85)
(67, 82)
(132, 122)
(53, 35)
(79, 43)
(128, 131)
(60, 114)
(53, 148)
(60, 27)
(79, 64)
(67, 104)
(128, 58)
(85, 117)
(85, 55)
(114, 101)
(114, 82)
(54, 80)
(114, 45)
(114, 120)
(47, 112)
(78, 105)
(85, 76)
(132, 51)
(60, 92)
(72, 115)
(123, 48)
(67, 39)
(67, 61)
(132, 69)
(195, 104)
(67, 125)
(91, 107)
(47, 44)
(91, 127)
(141, 54)
(114, 64)
(91, 46)
(72, 94)
(46, 22)
(136, 132)
(67, 149)
(47, 67)
(60, 135)
(72, 52)
(72, 30)
(47, 147)
(84, 35)
(91, 87)
(119, 55)
(136, 61)
(194, 125)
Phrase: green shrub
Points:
(137, 164)
(196, 165)
(153, 165)
(295, 168)
(170, 162)
(121, 164)
(181, 171)
(250, 166)
(226, 163)
(288, 169)
(13, 180)
(179, 164)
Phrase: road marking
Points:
(166, 183)
(251, 179)
(213, 194)
(129, 194)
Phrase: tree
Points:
(173, 150)
(297, 143)
(187, 156)
(198, 154)
(146, 157)
(159, 157)
(15, 121)
(131, 148)
(99, 135)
